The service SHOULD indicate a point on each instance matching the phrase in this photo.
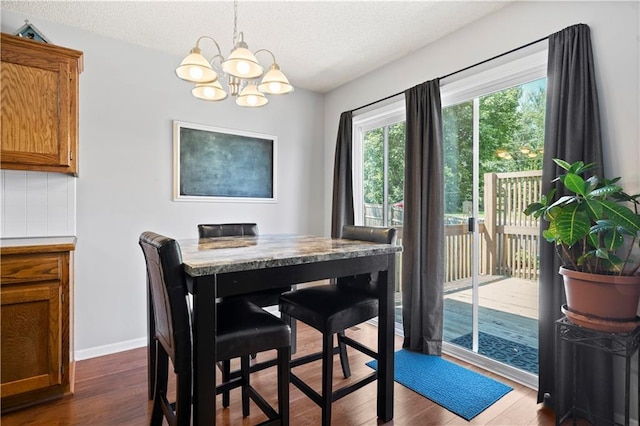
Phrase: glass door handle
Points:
(471, 223)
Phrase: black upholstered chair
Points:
(261, 298)
(331, 309)
(264, 298)
(242, 328)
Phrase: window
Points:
(378, 169)
(378, 176)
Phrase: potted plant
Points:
(595, 230)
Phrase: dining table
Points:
(225, 266)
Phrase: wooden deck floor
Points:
(512, 295)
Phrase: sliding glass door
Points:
(493, 148)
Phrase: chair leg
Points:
(284, 357)
(151, 368)
(151, 347)
(183, 399)
(294, 328)
(244, 372)
(344, 360)
(161, 372)
(327, 376)
(226, 372)
(291, 322)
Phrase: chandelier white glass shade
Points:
(212, 91)
(241, 70)
(251, 97)
(195, 68)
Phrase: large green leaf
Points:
(605, 191)
(562, 163)
(622, 216)
(550, 234)
(535, 208)
(594, 208)
(575, 183)
(565, 199)
(572, 224)
(613, 241)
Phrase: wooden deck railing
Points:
(511, 236)
(508, 238)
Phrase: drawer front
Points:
(31, 268)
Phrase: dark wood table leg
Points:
(204, 351)
(386, 330)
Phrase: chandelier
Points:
(241, 70)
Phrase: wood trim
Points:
(32, 249)
(43, 49)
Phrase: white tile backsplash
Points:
(37, 204)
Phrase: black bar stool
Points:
(331, 309)
(242, 329)
(264, 298)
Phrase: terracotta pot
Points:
(608, 297)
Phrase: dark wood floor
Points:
(112, 390)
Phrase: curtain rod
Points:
(459, 71)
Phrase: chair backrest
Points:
(227, 229)
(374, 234)
(168, 289)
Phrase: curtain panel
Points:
(423, 238)
(342, 201)
(572, 133)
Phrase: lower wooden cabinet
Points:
(35, 294)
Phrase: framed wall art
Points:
(216, 164)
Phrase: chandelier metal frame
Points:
(241, 70)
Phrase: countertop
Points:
(37, 244)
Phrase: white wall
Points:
(129, 97)
(615, 35)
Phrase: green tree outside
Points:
(511, 121)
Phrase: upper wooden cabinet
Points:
(39, 116)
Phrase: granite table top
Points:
(207, 256)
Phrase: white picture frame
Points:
(214, 164)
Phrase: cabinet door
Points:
(31, 337)
(39, 107)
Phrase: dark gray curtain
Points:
(342, 206)
(572, 133)
(423, 237)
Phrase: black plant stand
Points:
(619, 344)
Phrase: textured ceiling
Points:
(319, 45)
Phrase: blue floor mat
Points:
(459, 390)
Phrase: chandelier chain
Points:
(235, 22)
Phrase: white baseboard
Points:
(110, 349)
